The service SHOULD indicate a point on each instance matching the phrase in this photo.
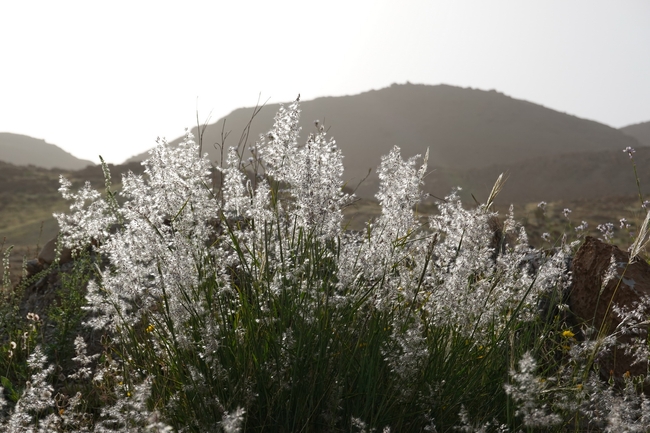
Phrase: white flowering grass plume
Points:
(250, 308)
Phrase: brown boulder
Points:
(33, 267)
(48, 253)
(592, 304)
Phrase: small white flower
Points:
(582, 227)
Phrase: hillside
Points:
(598, 186)
(573, 176)
(640, 131)
(29, 195)
(463, 128)
(24, 150)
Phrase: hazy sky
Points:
(109, 77)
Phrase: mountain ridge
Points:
(463, 128)
(21, 149)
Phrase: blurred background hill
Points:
(472, 135)
(640, 131)
(23, 150)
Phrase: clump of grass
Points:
(247, 307)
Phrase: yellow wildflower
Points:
(568, 334)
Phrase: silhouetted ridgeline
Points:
(463, 128)
(23, 150)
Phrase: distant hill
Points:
(640, 131)
(24, 150)
(463, 128)
(574, 176)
